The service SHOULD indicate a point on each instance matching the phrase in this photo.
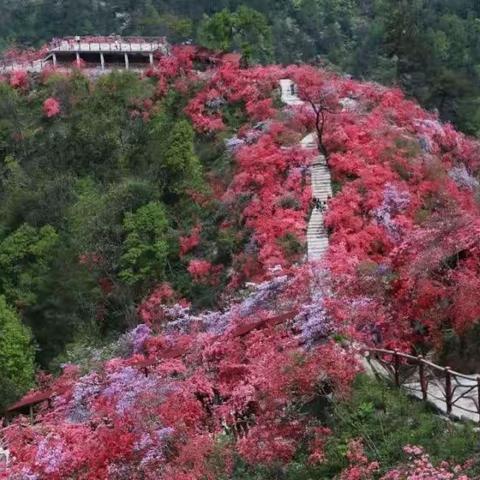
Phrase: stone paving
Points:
(317, 235)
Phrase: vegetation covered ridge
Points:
(181, 204)
(429, 48)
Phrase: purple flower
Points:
(152, 446)
(25, 474)
(51, 454)
(233, 143)
(313, 322)
(262, 296)
(394, 202)
(133, 342)
(125, 386)
(87, 388)
(139, 337)
(462, 177)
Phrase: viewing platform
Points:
(97, 53)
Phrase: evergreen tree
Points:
(145, 246)
(16, 353)
(183, 169)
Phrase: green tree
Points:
(25, 259)
(145, 248)
(183, 169)
(16, 350)
(245, 30)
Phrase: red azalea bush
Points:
(417, 466)
(402, 265)
(202, 271)
(404, 242)
(160, 410)
(19, 79)
(51, 107)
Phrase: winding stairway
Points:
(465, 389)
(317, 235)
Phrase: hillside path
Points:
(317, 235)
(466, 392)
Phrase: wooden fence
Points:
(454, 393)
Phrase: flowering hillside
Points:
(190, 393)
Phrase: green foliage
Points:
(83, 231)
(245, 30)
(291, 245)
(429, 48)
(217, 32)
(25, 258)
(16, 353)
(385, 420)
(183, 170)
(145, 247)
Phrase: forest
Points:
(430, 48)
(154, 283)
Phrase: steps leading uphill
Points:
(317, 235)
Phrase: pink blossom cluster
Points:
(51, 107)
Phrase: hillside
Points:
(172, 209)
(429, 48)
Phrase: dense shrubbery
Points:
(192, 394)
(377, 418)
(16, 355)
(428, 47)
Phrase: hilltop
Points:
(172, 208)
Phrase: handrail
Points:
(95, 44)
(420, 358)
(446, 382)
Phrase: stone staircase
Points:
(317, 235)
(289, 96)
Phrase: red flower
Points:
(51, 107)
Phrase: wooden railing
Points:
(454, 393)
